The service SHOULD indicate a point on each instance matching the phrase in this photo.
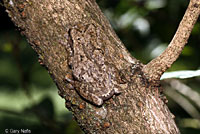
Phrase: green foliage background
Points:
(28, 96)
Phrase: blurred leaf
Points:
(127, 18)
(180, 74)
(155, 4)
(184, 103)
(40, 77)
(9, 75)
(196, 29)
(45, 108)
(187, 51)
(185, 90)
(188, 122)
(7, 47)
(157, 50)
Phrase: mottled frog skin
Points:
(92, 75)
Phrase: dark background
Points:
(28, 96)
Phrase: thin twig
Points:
(155, 68)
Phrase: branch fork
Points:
(155, 68)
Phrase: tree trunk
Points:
(107, 90)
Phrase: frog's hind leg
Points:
(86, 94)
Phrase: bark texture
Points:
(77, 45)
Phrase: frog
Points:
(92, 75)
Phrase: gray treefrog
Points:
(93, 75)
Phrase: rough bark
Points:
(73, 38)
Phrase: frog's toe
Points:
(96, 100)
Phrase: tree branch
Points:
(155, 68)
(73, 38)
